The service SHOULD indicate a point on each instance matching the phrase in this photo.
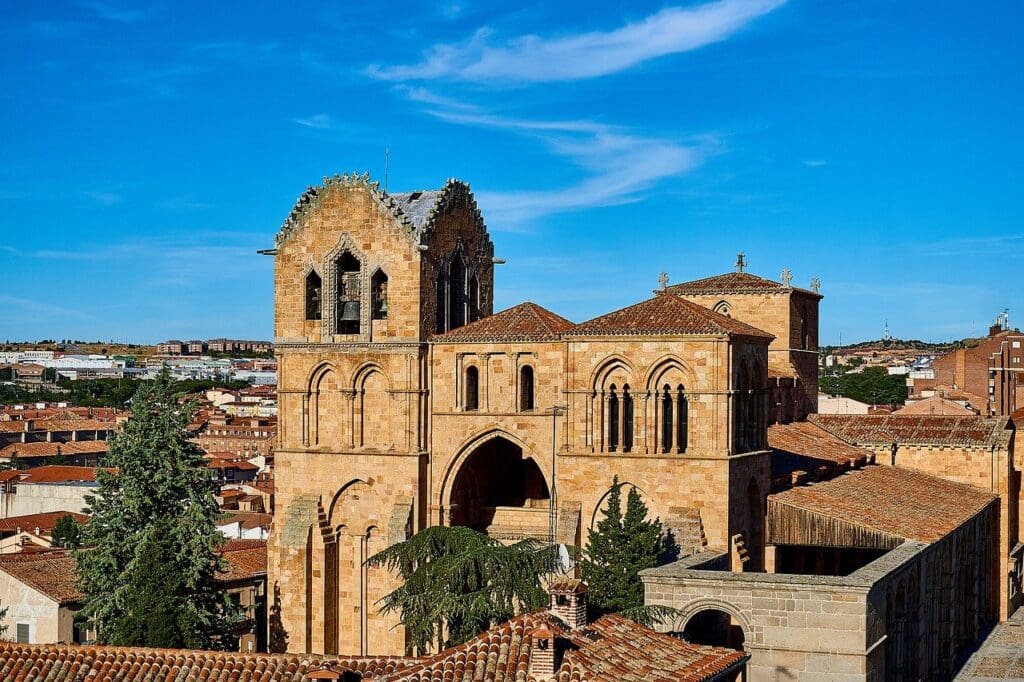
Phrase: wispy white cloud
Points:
(37, 306)
(618, 164)
(105, 198)
(531, 58)
(320, 121)
(184, 204)
(125, 13)
(814, 163)
(1000, 245)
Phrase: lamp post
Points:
(556, 410)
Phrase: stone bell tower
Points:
(362, 279)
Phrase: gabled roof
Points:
(735, 283)
(59, 474)
(414, 211)
(524, 322)
(54, 448)
(806, 447)
(935, 405)
(668, 315)
(876, 429)
(136, 664)
(246, 560)
(50, 573)
(611, 649)
(893, 502)
(44, 522)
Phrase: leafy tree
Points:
(619, 548)
(458, 582)
(873, 385)
(161, 488)
(67, 533)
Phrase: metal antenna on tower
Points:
(387, 159)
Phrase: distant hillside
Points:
(81, 347)
(905, 345)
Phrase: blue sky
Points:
(148, 150)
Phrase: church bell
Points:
(350, 311)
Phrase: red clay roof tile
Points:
(666, 315)
(524, 322)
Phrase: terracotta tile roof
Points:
(51, 449)
(52, 573)
(935, 405)
(61, 662)
(883, 429)
(734, 283)
(59, 474)
(898, 502)
(246, 559)
(524, 322)
(805, 447)
(44, 522)
(665, 314)
(247, 520)
(611, 649)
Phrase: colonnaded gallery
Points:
(406, 403)
(856, 547)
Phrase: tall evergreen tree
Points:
(67, 533)
(619, 548)
(160, 500)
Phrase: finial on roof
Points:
(663, 281)
(787, 277)
(741, 261)
(815, 285)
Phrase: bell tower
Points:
(362, 280)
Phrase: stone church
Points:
(406, 402)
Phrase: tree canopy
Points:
(873, 385)
(67, 533)
(619, 548)
(160, 503)
(457, 582)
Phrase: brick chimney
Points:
(569, 601)
(543, 656)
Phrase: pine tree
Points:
(458, 582)
(619, 548)
(67, 533)
(161, 485)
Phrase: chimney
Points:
(543, 661)
(569, 601)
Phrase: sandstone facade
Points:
(405, 403)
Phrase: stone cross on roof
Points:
(786, 277)
(663, 281)
(741, 261)
(815, 285)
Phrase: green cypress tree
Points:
(619, 548)
(161, 485)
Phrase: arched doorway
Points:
(712, 627)
(499, 491)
